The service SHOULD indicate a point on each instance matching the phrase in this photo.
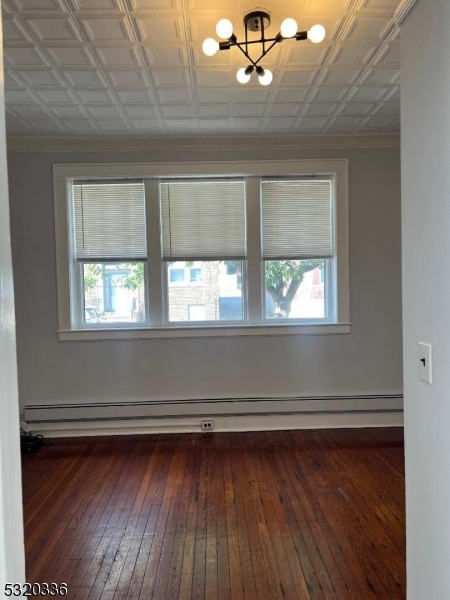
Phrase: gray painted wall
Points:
(426, 293)
(12, 560)
(368, 361)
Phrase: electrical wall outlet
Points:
(207, 425)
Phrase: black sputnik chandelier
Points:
(258, 21)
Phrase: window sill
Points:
(203, 332)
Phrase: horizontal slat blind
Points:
(296, 219)
(203, 219)
(109, 220)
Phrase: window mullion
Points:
(154, 262)
(329, 280)
(80, 302)
(254, 262)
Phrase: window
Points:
(109, 253)
(195, 274)
(176, 275)
(191, 250)
(297, 241)
(203, 228)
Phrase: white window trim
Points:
(64, 174)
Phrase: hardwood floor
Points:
(268, 515)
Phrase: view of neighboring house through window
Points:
(213, 288)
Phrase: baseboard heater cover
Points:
(229, 414)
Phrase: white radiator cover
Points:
(229, 414)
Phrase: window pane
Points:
(295, 289)
(114, 293)
(211, 291)
(176, 275)
(196, 274)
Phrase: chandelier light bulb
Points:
(316, 34)
(288, 28)
(266, 79)
(224, 29)
(210, 46)
(242, 76)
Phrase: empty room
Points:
(224, 335)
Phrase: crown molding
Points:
(72, 144)
(403, 9)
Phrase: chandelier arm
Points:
(249, 42)
(271, 46)
(262, 37)
(246, 39)
(265, 52)
(246, 54)
(239, 45)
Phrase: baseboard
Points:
(237, 414)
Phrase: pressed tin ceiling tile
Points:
(136, 67)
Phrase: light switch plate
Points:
(425, 365)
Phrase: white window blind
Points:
(297, 219)
(109, 219)
(203, 219)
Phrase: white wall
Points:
(12, 566)
(368, 361)
(425, 102)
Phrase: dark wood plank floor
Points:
(316, 515)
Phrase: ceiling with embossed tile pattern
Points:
(136, 68)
